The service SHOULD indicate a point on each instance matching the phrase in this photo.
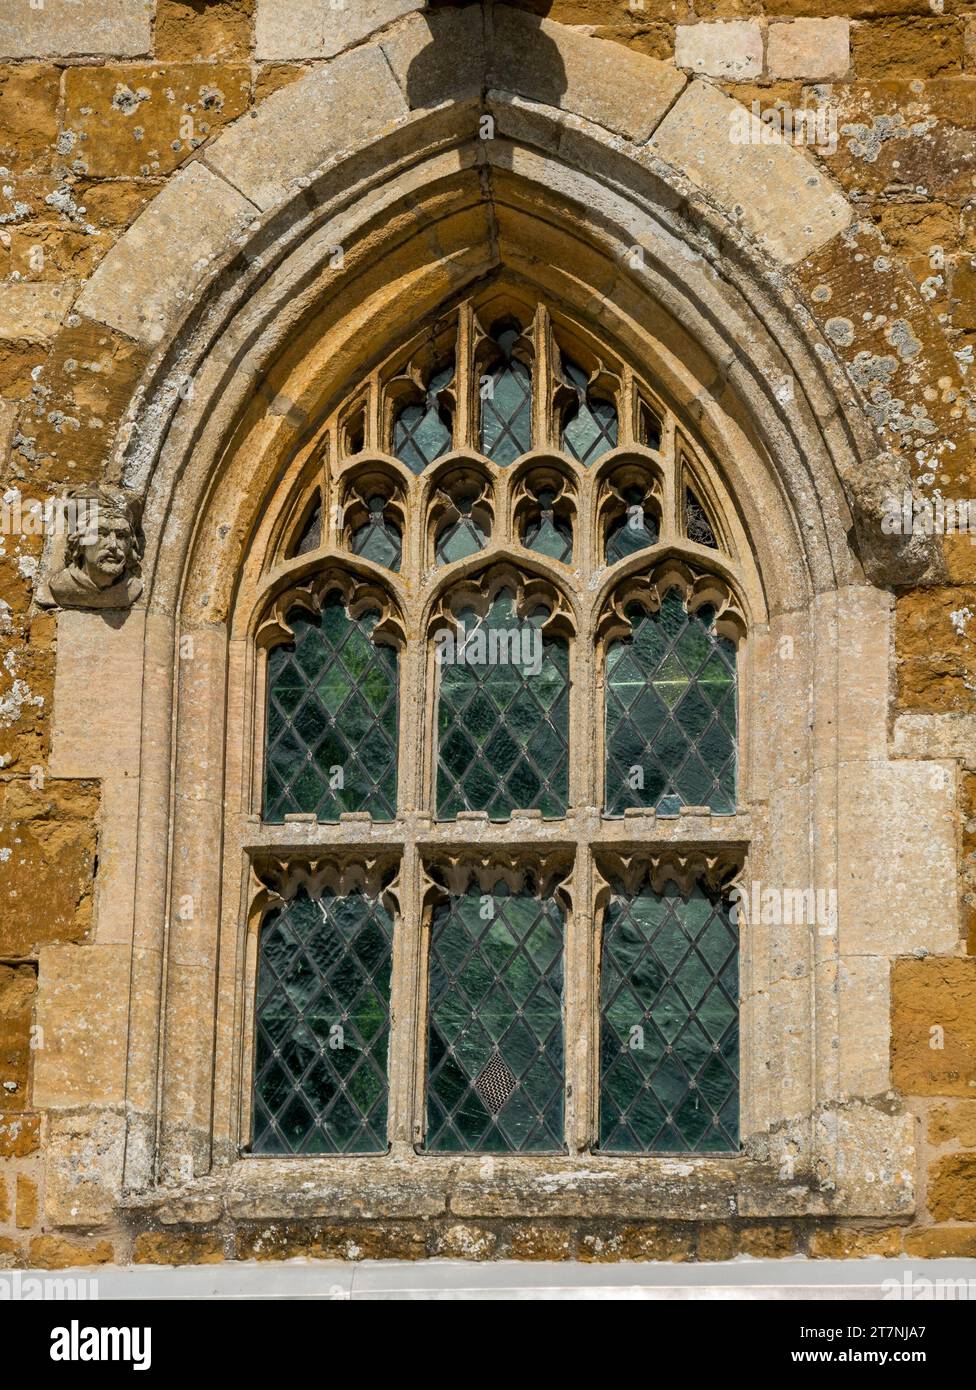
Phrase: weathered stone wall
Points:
(102, 102)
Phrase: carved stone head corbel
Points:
(97, 563)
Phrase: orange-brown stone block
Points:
(909, 46)
(936, 650)
(54, 1252)
(18, 987)
(933, 1026)
(81, 393)
(952, 1188)
(50, 834)
(142, 121)
(215, 29)
(954, 1124)
(28, 116)
(942, 1242)
(20, 1134)
(178, 1248)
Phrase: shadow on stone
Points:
(510, 52)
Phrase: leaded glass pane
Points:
(547, 533)
(495, 1040)
(323, 1027)
(462, 537)
(422, 431)
(506, 405)
(590, 431)
(332, 719)
(502, 715)
(671, 713)
(669, 1011)
(636, 529)
(697, 525)
(378, 539)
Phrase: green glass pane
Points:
(548, 534)
(331, 738)
(495, 1049)
(636, 530)
(322, 1026)
(378, 539)
(502, 718)
(669, 1023)
(506, 405)
(670, 713)
(422, 431)
(590, 430)
(460, 539)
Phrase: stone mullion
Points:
(407, 1003)
(542, 378)
(464, 379)
(671, 527)
(579, 1004)
(406, 979)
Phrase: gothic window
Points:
(498, 778)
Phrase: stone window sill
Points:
(410, 1185)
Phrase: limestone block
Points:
(774, 192)
(896, 858)
(97, 696)
(320, 28)
(864, 1016)
(623, 91)
(83, 1169)
(306, 125)
(873, 1159)
(76, 28)
(438, 57)
(82, 1012)
(935, 736)
(731, 49)
(818, 49)
(152, 274)
(857, 623)
(32, 311)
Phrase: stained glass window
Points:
(590, 429)
(506, 405)
(323, 1026)
(332, 718)
(669, 1010)
(495, 1051)
(502, 715)
(547, 533)
(422, 430)
(671, 712)
(378, 539)
(635, 530)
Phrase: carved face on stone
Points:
(103, 551)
